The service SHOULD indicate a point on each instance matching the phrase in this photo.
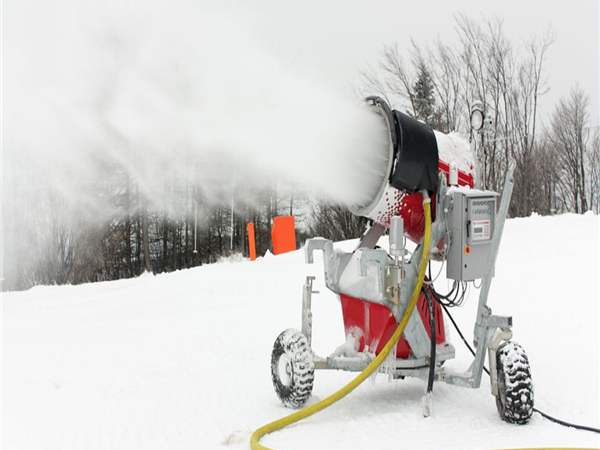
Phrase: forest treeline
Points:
(128, 230)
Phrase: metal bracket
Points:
(367, 256)
(312, 245)
(499, 322)
(332, 260)
(499, 336)
(307, 291)
(370, 238)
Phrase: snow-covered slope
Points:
(181, 361)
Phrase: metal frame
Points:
(490, 330)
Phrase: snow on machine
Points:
(374, 286)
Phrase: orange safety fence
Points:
(283, 234)
(251, 241)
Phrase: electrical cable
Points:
(430, 282)
(447, 296)
(456, 300)
(566, 424)
(432, 339)
(543, 414)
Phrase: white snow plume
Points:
(168, 92)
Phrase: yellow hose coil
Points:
(371, 368)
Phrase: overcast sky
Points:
(333, 40)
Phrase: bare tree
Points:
(569, 136)
(593, 165)
(145, 234)
(447, 73)
(334, 221)
(392, 80)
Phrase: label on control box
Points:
(480, 230)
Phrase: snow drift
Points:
(181, 361)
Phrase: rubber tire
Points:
(515, 388)
(297, 390)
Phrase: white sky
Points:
(333, 40)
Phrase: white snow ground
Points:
(181, 361)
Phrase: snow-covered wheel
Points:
(515, 388)
(292, 368)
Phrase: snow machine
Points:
(374, 286)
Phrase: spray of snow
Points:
(165, 96)
(102, 95)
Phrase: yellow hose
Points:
(372, 367)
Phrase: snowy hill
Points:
(181, 361)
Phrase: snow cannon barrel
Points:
(410, 160)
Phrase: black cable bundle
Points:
(431, 307)
(455, 297)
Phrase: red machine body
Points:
(410, 206)
(372, 324)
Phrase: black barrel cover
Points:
(416, 157)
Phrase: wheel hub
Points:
(285, 370)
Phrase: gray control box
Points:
(471, 222)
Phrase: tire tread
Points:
(515, 386)
(294, 344)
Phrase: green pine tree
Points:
(424, 100)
